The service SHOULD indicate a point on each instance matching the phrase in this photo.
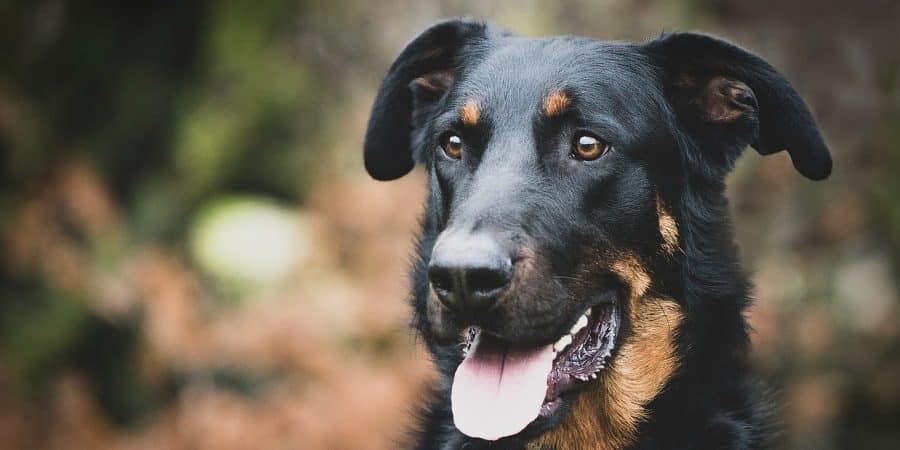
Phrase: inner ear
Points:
(718, 99)
(723, 92)
(432, 85)
(726, 100)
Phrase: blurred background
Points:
(191, 255)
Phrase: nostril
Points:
(441, 278)
(488, 280)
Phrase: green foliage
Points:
(242, 125)
(38, 326)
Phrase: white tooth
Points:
(582, 322)
(472, 341)
(562, 343)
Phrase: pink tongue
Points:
(498, 391)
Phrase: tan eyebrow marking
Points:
(470, 112)
(556, 103)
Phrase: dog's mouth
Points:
(500, 388)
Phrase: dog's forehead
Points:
(521, 72)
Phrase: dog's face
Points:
(552, 244)
(541, 175)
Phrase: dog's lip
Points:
(477, 328)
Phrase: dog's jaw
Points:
(609, 410)
(549, 375)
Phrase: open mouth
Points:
(500, 388)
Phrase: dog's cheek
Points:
(443, 184)
(441, 192)
(621, 212)
(609, 412)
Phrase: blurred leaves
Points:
(37, 329)
(242, 125)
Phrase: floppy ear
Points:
(723, 90)
(416, 82)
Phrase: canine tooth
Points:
(582, 322)
(562, 343)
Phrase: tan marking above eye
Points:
(589, 148)
(556, 103)
(470, 113)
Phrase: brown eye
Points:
(452, 146)
(589, 148)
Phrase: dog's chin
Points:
(578, 357)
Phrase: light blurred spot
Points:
(865, 288)
(249, 239)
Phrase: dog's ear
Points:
(727, 92)
(425, 70)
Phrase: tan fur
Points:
(667, 228)
(556, 103)
(607, 414)
(470, 113)
(629, 269)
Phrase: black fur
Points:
(518, 181)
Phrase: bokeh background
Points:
(192, 256)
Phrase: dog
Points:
(576, 277)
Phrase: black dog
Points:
(576, 280)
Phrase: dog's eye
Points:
(452, 145)
(589, 148)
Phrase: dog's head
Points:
(566, 178)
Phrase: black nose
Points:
(468, 272)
